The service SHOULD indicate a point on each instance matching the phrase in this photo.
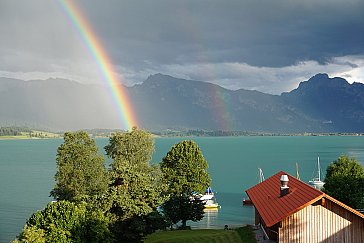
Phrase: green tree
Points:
(135, 147)
(66, 222)
(31, 234)
(136, 189)
(183, 208)
(185, 172)
(345, 181)
(134, 192)
(80, 169)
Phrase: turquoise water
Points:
(27, 168)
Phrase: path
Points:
(259, 235)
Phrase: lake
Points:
(27, 168)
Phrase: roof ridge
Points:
(344, 205)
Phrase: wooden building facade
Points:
(303, 214)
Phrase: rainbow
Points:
(221, 111)
(124, 107)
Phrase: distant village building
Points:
(290, 210)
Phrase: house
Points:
(289, 210)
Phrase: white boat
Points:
(316, 181)
(209, 199)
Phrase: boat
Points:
(247, 201)
(210, 199)
(316, 181)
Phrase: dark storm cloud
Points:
(269, 45)
(260, 33)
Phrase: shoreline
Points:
(24, 138)
(205, 135)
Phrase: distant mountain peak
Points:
(163, 101)
(160, 80)
(319, 76)
(159, 77)
(322, 81)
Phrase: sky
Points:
(262, 45)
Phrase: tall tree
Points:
(345, 181)
(80, 169)
(185, 172)
(136, 189)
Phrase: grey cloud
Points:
(255, 44)
(271, 80)
(260, 33)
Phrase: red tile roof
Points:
(273, 208)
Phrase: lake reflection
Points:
(231, 213)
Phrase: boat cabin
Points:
(209, 199)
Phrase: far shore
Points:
(23, 137)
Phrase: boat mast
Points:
(297, 174)
(261, 175)
(318, 168)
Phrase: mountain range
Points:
(161, 102)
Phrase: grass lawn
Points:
(247, 234)
(240, 235)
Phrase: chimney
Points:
(284, 185)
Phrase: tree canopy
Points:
(185, 169)
(13, 131)
(345, 181)
(99, 205)
(80, 169)
(66, 222)
(136, 189)
(134, 192)
(135, 147)
(185, 173)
